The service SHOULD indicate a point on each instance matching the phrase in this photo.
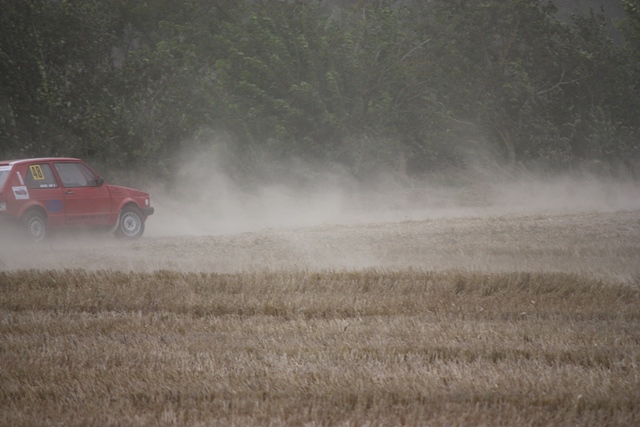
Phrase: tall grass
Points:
(296, 347)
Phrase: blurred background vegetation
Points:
(414, 86)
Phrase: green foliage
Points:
(53, 65)
(372, 85)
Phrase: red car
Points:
(51, 193)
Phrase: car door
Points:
(87, 200)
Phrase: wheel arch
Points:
(129, 203)
(126, 203)
(33, 208)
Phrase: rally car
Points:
(39, 195)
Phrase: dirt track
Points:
(605, 245)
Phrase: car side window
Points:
(75, 175)
(4, 174)
(40, 176)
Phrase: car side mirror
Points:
(99, 181)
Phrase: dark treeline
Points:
(366, 84)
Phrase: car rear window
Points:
(40, 176)
(4, 174)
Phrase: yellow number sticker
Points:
(36, 172)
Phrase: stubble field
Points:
(521, 319)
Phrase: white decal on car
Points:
(21, 192)
(20, 177)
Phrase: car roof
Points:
(38, 159)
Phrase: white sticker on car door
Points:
(21, 192)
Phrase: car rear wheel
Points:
(34, 224)
(130, 223)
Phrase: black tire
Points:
(130, 223)
(34, 225)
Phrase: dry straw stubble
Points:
(366, 347)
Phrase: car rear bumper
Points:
(148, 211)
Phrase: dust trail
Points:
(292, 215)
(208, 201)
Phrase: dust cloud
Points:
(291, 215)
(205, 200)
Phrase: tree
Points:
(167, 81)
(52, 56)
(498, 67)
(365, 84)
